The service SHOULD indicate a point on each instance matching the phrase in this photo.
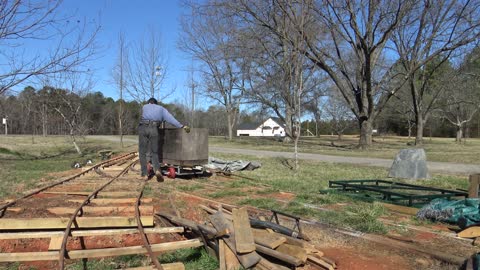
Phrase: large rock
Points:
(411, 164)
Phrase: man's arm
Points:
(170, 119)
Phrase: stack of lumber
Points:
(230, 237)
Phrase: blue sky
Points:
(134, 18)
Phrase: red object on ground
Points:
(171, 173)
(150, 172)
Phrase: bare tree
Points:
(426, 39)
(315, 105)
(71, 87)
(274, 69)
(339, 113)
(346, 40)
(147, 68)
(119, 72)
(71, 42)
(211, 39)
(461, 101)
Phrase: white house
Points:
(273, 126)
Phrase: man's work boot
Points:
(159, 176)
(144, 177)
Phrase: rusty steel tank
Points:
(177, 147)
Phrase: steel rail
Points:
(66, 234)
(141, 231)
(4, 207)
(107, 164)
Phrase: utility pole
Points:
(193, 101)
(193, 85)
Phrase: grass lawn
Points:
(437, 149)
(310, 186)
(24, 162)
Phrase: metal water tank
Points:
(182, 148)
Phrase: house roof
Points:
(253, 126)
(248, 126)
(278, 121)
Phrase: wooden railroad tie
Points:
(144, 209)
(112, 201)
(61, 223)
(97, 253)
(103, 194)
(79, 233)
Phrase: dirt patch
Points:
(350, 259)
(425, 236)
(283, 196)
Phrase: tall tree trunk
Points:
(230, 124)
(459, 136)
(409, 123)
(366, 126)
(120, 126)
(289, 128)
(44, 120)
(74, 141)
(420, 123)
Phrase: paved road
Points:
(437, 167)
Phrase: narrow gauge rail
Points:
(120, 165)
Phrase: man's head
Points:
(152, 101)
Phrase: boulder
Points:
(410, 164)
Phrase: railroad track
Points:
(98, 212)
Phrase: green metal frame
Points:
(389, 190)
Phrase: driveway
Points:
(436, 167)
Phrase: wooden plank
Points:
(79, 233)
(401, 209)
(107, 252)
(144, 210)
(61, 223)
(278, 255)
(265, 264)
(103, 194)
(296, 241)
(14, 209)
(266, 239)
(323, 264)
(325, 259)
(187, 223)
(294, 251)
(221, 255)
(55, 243)
(474, 180)
(29, 256)
(113, 201)
(221, 223)
(231, 261)
(97, 253)
(470, 232)
(244, 242)
(165, 266)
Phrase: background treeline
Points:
(34, 111)
(404, 67)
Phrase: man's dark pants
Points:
(148, 142)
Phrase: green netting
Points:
(461, 212)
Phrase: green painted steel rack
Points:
(397, 191)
